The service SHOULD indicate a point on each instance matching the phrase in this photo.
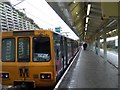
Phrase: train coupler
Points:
(24, 84)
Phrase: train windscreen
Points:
(41, 49)
(23, 49)
(8, 50)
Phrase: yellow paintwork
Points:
(35, 68)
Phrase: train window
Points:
(41, 49)
(23, 49)
(8, 50)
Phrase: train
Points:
(35, 58)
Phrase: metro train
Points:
(35, 58)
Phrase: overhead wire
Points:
(25, 12)
(40, 11)
(44, 14)
(39, 18)
(18, 3)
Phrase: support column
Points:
(91, 46)
(96, 46)
(119, 49)
(105, 47)
(118, 26)
(98, 41)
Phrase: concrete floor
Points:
(90, 71)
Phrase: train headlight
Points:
(45, 76)
(4, 75)
(10, 86)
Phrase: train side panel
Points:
(64, 50)
(58, 54)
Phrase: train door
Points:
(64, 53)
(69, 50)
(57, 52)
(72, 47)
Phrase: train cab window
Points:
(8, 50)
(41, 49)
(23, 49)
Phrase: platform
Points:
(90, 71)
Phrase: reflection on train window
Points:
(41, 49)
(23, 49)
(8, 50)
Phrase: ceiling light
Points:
(114, 30)
(85, 29)
(110, 32)
(111, 23)
(76, 12)
(88, 9)
(87, 18)
(101, 30)
(86, 25)
(74, 1)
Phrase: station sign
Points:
(58, 29)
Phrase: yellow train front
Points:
(34, 58)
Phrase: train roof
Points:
(17, 31)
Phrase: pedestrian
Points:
(85, 46)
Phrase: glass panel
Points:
(8, 50)
(41, 50)
(23, 50)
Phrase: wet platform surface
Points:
(112, 57)
(90, 71)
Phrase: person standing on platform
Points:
(85, 46)
(96, 47)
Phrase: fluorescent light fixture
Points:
(86, 25)
(88, 9)
(101, 30)
(87, 18)
(111, 23)
(114, 30)
(101, 40)
(110, 32)
(84, 37)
